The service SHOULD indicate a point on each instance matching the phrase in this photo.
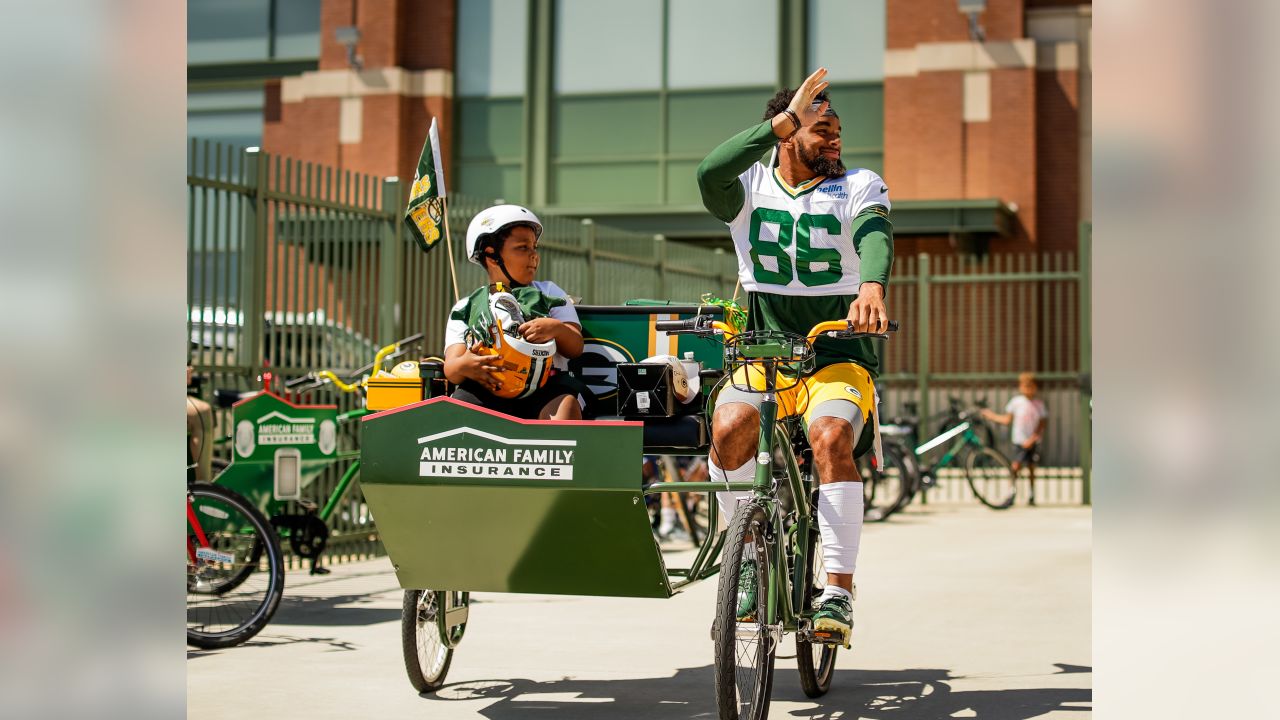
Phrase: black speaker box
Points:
(644, 391)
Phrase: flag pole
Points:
(448, 246)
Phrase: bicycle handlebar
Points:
(321, 377)
(705, 325)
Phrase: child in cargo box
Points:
(505, 342)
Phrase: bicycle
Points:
(776, 528)
(987, 471)
(886, 486)
(235, 568)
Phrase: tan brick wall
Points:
(415, 35)
(1026, 154)
(1058, 158)
(910, 22)
(1013, 124)
(428, 34)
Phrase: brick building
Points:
(603, 108)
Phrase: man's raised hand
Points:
(802, 103)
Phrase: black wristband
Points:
(794, 118)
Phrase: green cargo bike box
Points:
(469, 499)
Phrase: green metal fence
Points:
(295, 266)
(970, 326)
(300, 266)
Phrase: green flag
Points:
(425, 214)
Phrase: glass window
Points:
(493, 46)
(242, 128)
(297, 29)
(227, 116)
(607, 45)
(847, 37)
(722, 43)
(227, 30)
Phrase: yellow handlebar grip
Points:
(336, 382)
(725, 328)
(382, 355)
(828, 326)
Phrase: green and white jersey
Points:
(802, 251)
(799, 240)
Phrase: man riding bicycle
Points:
(814, 243)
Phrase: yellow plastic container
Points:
(385, 393)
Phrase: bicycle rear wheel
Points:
(235, 575)
(744, 651)
(991, 478)
(816, 661)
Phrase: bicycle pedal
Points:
(830, 638)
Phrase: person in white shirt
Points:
(1029, 417)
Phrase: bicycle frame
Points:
(965, 438)
(781, 607)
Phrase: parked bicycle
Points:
(280, 447)
(235, 568)
(968, 445)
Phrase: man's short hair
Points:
(783, 98)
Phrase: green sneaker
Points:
(833, 622)
(747, 591)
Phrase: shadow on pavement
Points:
(331, 611)
(917, 694)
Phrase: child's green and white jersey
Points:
(799, 240)
(535, 301)
(802, 251)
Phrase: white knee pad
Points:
(728, 499)
(840, 522)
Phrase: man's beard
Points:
(821, 165)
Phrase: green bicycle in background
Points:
(281, 447)
(968, 443)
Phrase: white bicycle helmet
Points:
(679, 377)
(493, 221)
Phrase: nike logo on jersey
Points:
(884, 188)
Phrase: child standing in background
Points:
(1029, 417)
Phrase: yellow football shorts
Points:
(842, 381)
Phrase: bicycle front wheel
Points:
(426, 658)
(744, 643)
(235, 568)
(991, 478)
(816, 661)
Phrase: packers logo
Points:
(427, 217)
(421, 186)
(597, 366)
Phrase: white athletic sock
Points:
(668, 522)
(728, 499)
(831, 591)
(840, 521)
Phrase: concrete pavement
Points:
(961, 612)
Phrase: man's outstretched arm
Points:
(722, 194)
